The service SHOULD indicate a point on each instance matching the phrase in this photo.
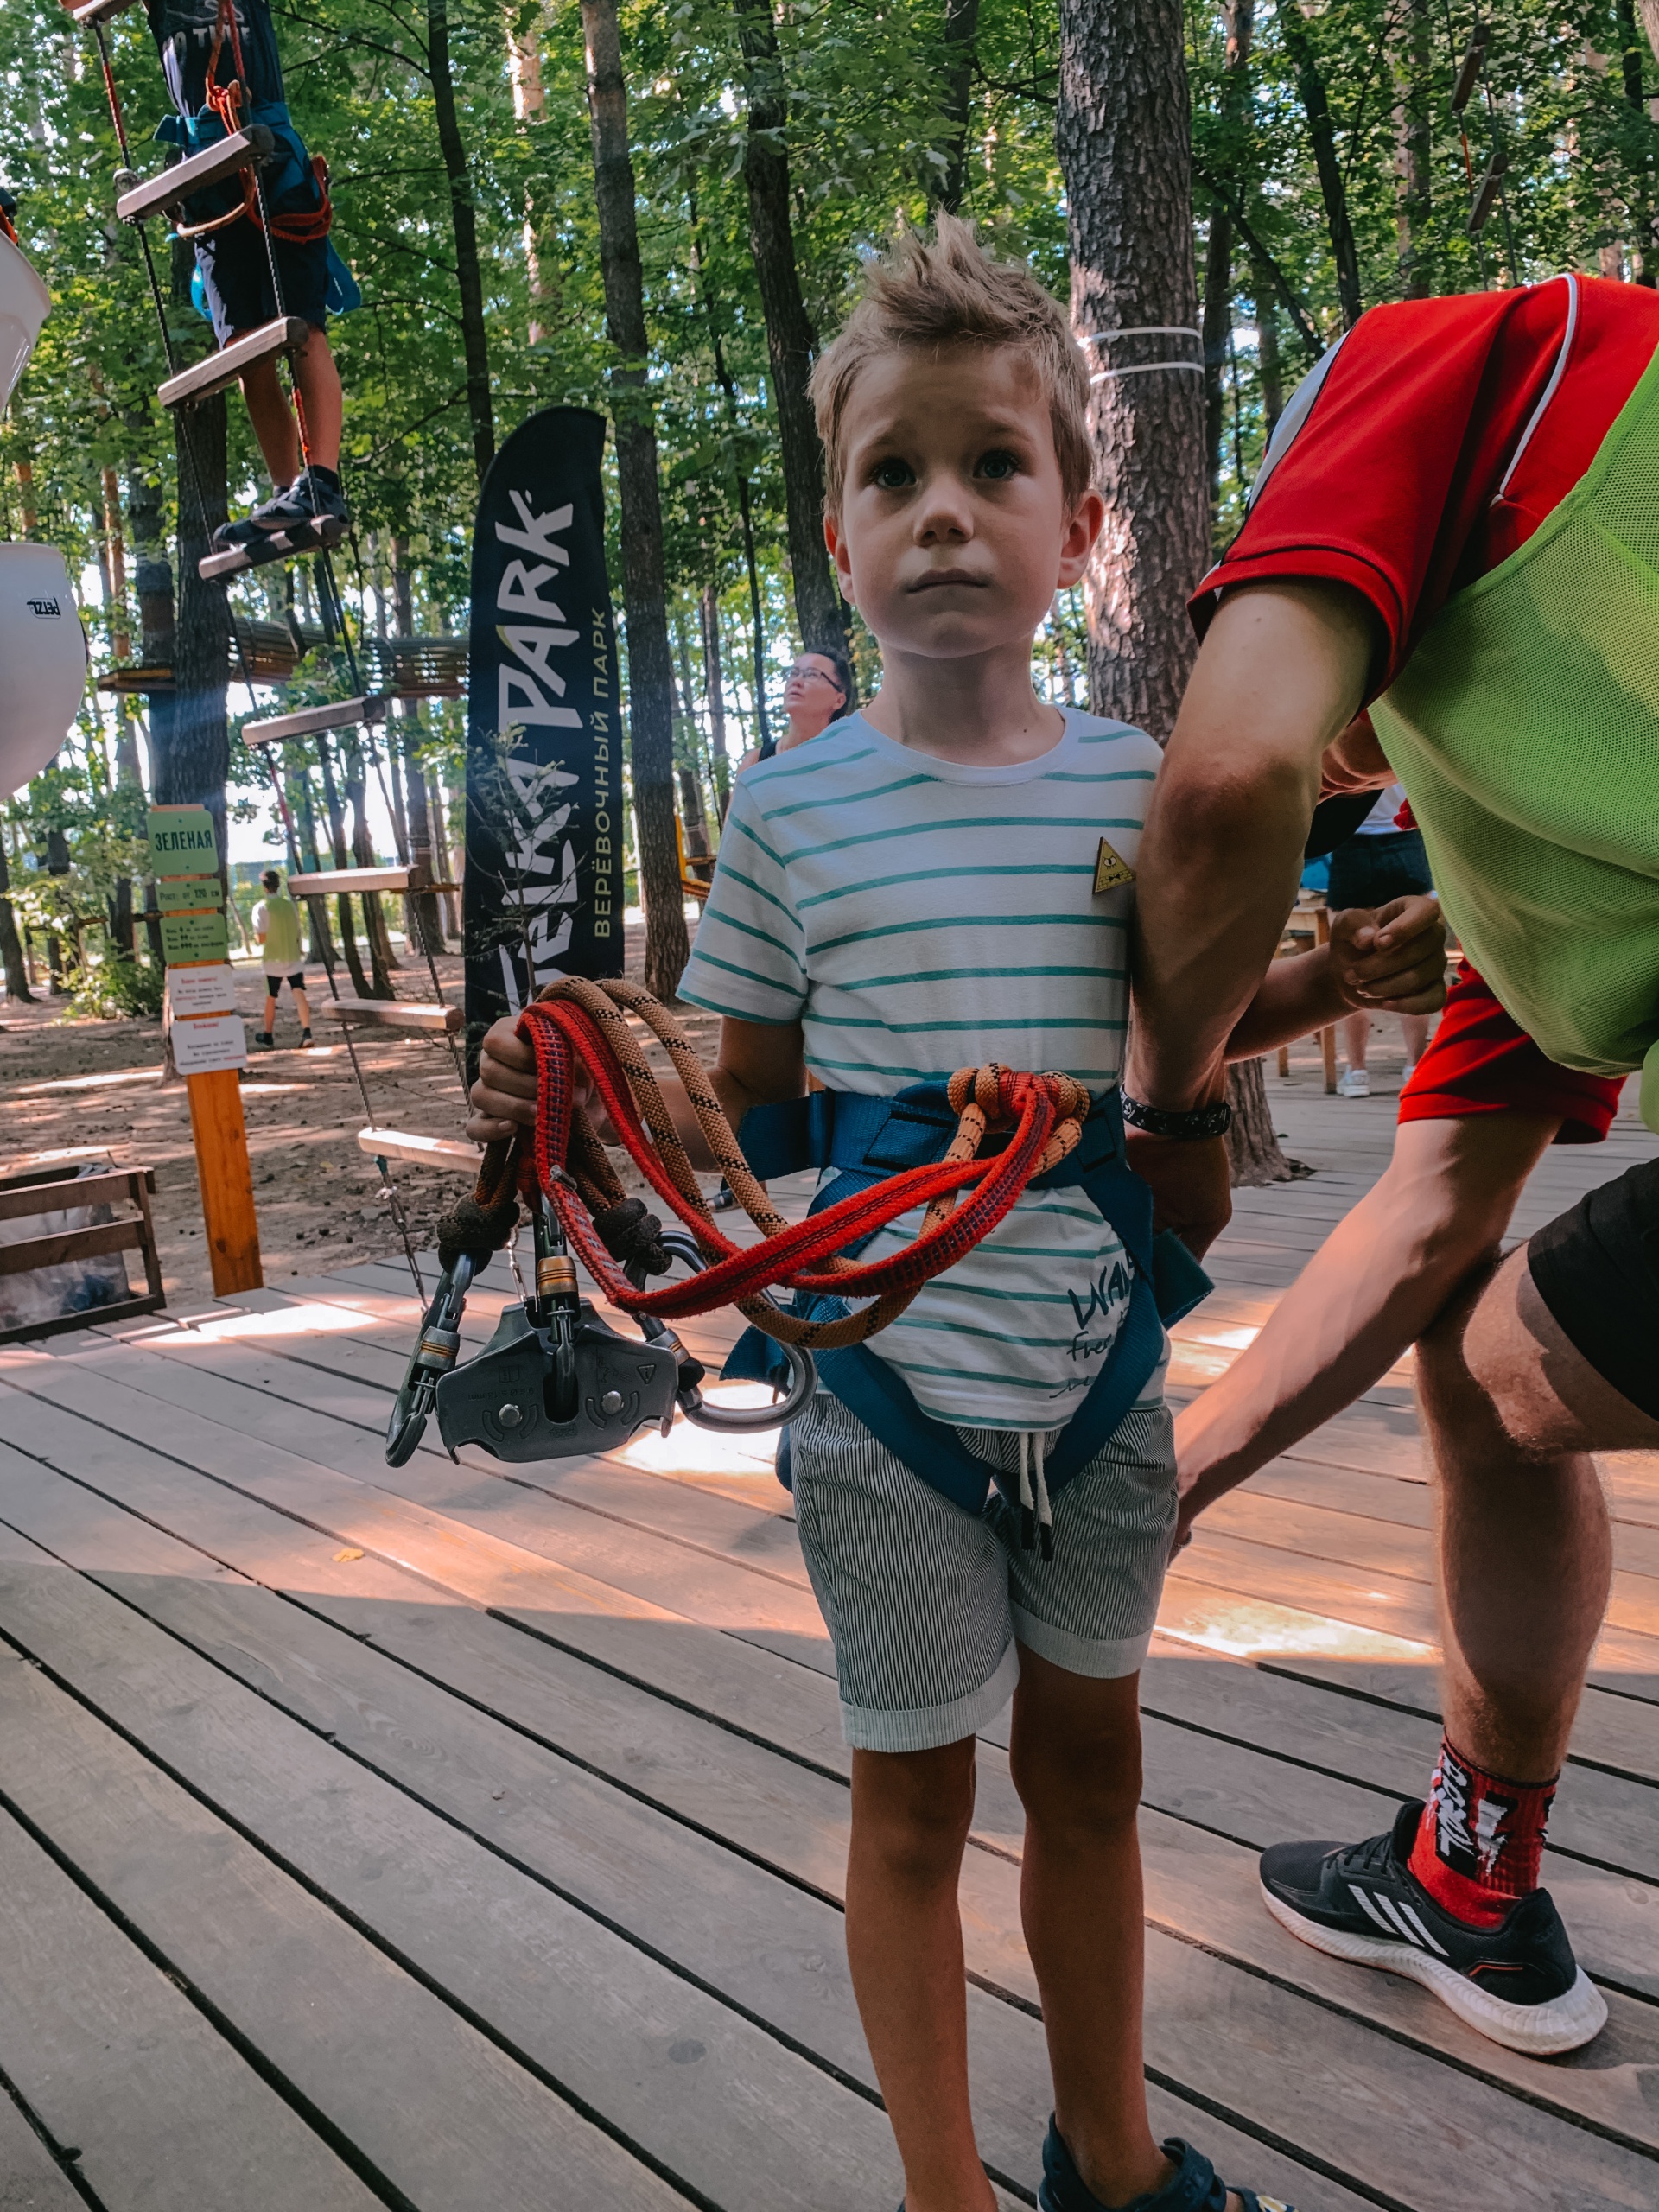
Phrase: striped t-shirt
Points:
(917, 915)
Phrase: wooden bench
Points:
(395, 1013)
(60, 1189)
(1309, 926)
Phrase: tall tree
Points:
(791, 340)
(946, 183)
(1218, 255)
(1123, 132)
(715, 692)
(463, 216)
(1310, 86)
(651, 670)
(1413, 154)
(11, 945)
(191, 760)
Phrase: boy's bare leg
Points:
(302, 1007)
(1414, 1029)
(270, 1022)
(910, 1815)
(1372, 1288)
(1356, 1036)
(272, 414)
(1076, 1758)
(1513, 1410)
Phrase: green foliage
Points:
(117, 986)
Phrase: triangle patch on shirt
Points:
(1112, 871)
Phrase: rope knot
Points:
(633, 1236)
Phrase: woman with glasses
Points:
(818, 692)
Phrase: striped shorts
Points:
(927, 1604)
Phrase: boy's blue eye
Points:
(999, 466)
(892, 474)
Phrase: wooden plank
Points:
(318, 883)
(281, 545)
(65, 1244)
(386, 1722)
(305, 721)
(121, 2068)
(16, 1204)
(239, 150)
(708, 2096)
(287, 334)
(393, 1014)
(419, 1151)
(30, 2178)
(99, 11)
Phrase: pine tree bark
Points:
(651, 672)
(1414, 156)
(1125, 148)
(1269, 362)
(1310, 86)
(423, 907)
(714, 688)
(791, 340)
(342, 854)
(11, 945)
(1218, 255)
(374, 919)
(464, 221)
(945, 185)
(1254, 1157)
(190, 750)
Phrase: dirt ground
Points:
(65, 1084)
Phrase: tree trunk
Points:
(651, 674)
(342, 854)
(11, 945)
(1414, 156)
(423, 907)
(716, 687)
(1268, 360)
(1122, 129)
(1254, 1157)
(1642, 195)
(529, 105)
(1311, 87)
(190, 763)
(464, 218)
(374, 919)
(945, 185)
(789, 338)
(1218, 259)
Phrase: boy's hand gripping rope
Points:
(562, 1172)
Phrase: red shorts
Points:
(1480, 1061)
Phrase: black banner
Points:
(544, 882)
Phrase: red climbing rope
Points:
(581, 1024)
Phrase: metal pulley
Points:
(555, 1381)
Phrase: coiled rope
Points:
(577, 1022)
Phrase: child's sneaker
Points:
(1517, 1983)
(305, 1039)
(1195, 2186)
(1407, 1073)
(1355, 1084)
(264, 1040)
(314, 491)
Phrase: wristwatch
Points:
(1197, 1122)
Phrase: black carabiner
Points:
(434, 1354)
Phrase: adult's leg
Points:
(1414, 1029)
(1513, 1410)
(273, 420)
(1075, 1754)
(1376, 1282)
(911, 1817)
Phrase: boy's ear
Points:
(1079, 541)
(838, 554)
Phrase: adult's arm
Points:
(1280, 673)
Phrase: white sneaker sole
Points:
(1538, 2030)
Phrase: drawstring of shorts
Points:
(1036, 1513)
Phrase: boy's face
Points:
(953, 534)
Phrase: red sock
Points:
(1480, 1840)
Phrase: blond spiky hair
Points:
(944, 290)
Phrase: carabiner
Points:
(434, 1354)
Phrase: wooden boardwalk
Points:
(473, 1841)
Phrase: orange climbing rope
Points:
(578, 1023)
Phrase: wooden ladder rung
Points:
(99, 11)
(304, 722)
(393, 1014)
(220, 371)
(229, 157)
(281, 545)
(420, 1152)
(331, 882)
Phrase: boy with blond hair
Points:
(985, 1499)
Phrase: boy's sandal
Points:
(1195, 2186)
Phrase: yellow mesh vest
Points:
(1525, 729)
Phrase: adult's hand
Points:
(1391, 959)
(504, 1095)
(1191, 1187)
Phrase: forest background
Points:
(657, 208)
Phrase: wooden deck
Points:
(473, 1842)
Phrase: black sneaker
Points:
(264, 1040)
(1195, 2186)
(309, 496)
(306, 1040)
(1517, 1983)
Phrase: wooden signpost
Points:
(210, 1046)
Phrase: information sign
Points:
(177, 893)
(181, 840)
(201, 990)
(195, 937)
(203, 1047)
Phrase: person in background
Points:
(1383, 859)
(818, 692)
(277, 927)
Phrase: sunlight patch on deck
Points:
(1242, 1627)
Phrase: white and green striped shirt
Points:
(917, 915)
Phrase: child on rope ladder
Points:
(224, 73)
(939, 880)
